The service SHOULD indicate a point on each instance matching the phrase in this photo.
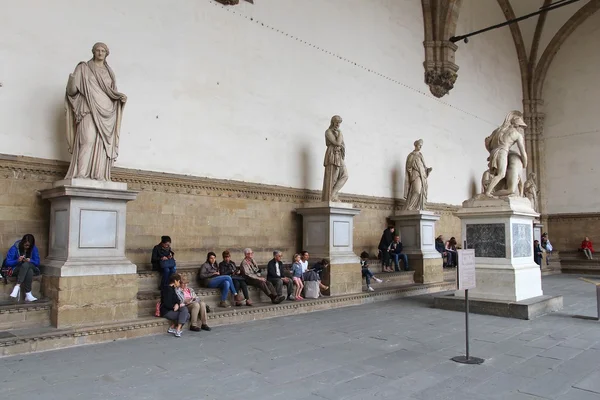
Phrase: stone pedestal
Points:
(327, 232)
(86, 274)
(417, 233)
(501, 232)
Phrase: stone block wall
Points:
(199, 214)
(567, 231)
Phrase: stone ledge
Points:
(52, 338)
(526, 309)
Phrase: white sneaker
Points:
(15, 291)
(378, 280)
(171, 330)
(29, 297)
(370, 289)
(178, 333)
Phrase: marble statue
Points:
(531, 191)
(415, 181)
(94, 110)
(503, 163)
(336, 174)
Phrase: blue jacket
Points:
(297, 270)
(12, 258)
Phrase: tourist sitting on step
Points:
(451, 251)
(276, 275)
(22, 261)
(396, 254)
(172, 308)
(587, 248)
(547, 246)
(163, 260)
(537, 253)
(441, 248)
(252, 274)
(314, 272)
(366, 272)
(297, 276)
(228, 267)
(210, 277)
(195, 306)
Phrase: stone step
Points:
(27, 315)
(21, 341)
(6, 289)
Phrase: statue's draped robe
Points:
(93, 122)
(415, 182)
(335, 169)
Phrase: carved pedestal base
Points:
(417, 233)
(327, 232)
(501, 232)
(87, 276)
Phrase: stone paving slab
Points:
(398, 350)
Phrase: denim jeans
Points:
(166, 274)
(397, 258)
(367, 274)
(224, 283)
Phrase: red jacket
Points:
(586, 244)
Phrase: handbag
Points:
(7, 271)
(168, 263)
(311, 290)
(157, 312)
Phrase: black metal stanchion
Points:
(467, 359)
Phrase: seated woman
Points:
(228, 267)
(588, 248)
(211, 278)
(23, 261)
(195, 306)
(171, 306)
(163, 260)
(452, 253)
(314, 273)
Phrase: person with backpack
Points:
(22, 261)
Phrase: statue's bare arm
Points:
(331, 138)
(521, 146)
(71, 85)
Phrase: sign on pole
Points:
(466, 269)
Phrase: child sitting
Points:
(366, 272)
(297, 275)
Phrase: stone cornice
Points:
(49, 171)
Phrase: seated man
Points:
(252, 275)
(396, 254)
(276, 276)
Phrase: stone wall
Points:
(199, 214)
(567, 231)
(246, 92)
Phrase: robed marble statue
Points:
(415, 181)
(94, 110)
(530, 190)
(336, 174)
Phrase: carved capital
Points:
(440, 82)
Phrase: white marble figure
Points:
(336, 174)
(531, 191)
(415, 181)
(94, 109)
(503, 163)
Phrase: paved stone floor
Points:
(391, 350)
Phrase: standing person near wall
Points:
(384, 246)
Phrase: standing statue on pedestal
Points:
(504, 164)
(336, 174)
(94, 109)
(531, 191)
(415, 181)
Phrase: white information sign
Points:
(466, 269)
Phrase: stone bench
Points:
(575, 262)
(6, 289)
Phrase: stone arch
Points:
(557, 41)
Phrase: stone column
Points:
(417, 233)
(87, 276)
(327, 232)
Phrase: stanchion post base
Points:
(470, 360)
